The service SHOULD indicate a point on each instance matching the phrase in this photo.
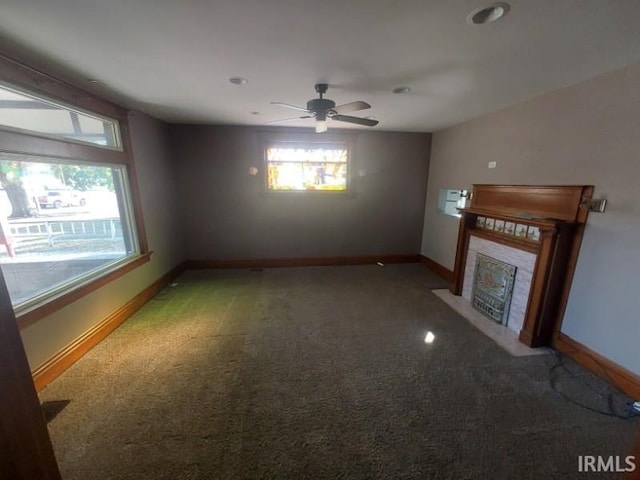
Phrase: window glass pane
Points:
(61, 224)
(299, 167)
(27, 112)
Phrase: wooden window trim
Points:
(39, 82)
(51, 306)
(12, 141)
(133, 188)
(57, 149)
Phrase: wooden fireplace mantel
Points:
(557, 215)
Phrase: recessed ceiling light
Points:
(488, 14)
(255, 113)
(93, 80)
(238, 80)
(401, 90)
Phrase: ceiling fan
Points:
(322, 108)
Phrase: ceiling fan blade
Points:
(289, 119)
(357, 120)
(351, 107)
(288, 105)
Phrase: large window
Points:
(307, 167)
(67, 209)
(61, 223)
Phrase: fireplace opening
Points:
(493, 282)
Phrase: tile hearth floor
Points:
(500, 334)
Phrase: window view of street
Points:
(59, 222)
(301, 167)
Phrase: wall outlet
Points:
(492, 164)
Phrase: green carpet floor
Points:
(319, 373)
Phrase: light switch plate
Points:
(492, 164)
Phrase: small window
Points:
(41, 116)
(307, 167)
(62, 224)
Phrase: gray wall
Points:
(228, 215)
(155, 170)
(585, 134)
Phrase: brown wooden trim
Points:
(462, 247)
(560, 202)
(52, 305)
(39, 82)
(628, 382)
(437, 268)
(26, 143)
(583, 212)
(530, 334)
(27, 453)
(56, 365)
(572, 261)
(553, 296)
(300, 262)
(134, 189)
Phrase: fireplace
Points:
(492, 288)
(522, 243)
(524, 263)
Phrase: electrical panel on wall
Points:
(450, 200)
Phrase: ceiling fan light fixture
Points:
(321, 126)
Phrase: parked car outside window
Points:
(61, 198)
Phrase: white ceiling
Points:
(173, 59)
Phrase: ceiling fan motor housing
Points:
(320, 106)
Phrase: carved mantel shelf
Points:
(553, 219)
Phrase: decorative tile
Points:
(510, 228)
(523, 260)
(521, 231)
(489, 223)
(499, 226)
(480, 222)
(492, 287)
(533, 233)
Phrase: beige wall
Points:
(228, 215)
(585, 134)
(156, 178)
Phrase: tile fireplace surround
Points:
(524, 263)
(546, 224)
